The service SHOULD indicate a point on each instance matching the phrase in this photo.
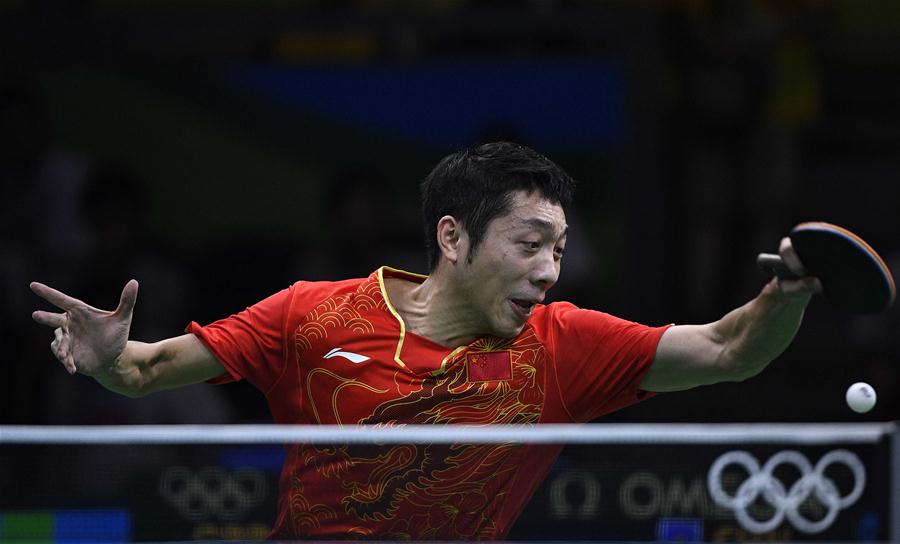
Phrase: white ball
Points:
(861, 397)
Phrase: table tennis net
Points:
(611, 482)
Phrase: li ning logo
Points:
(354, 358)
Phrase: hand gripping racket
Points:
(854, 277)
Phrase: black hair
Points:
(475, 186)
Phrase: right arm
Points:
(143, 368)
(95, 343)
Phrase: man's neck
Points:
(434, 310)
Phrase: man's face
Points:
(516, 263)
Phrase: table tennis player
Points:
(470, 343)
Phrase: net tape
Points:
(606, 433)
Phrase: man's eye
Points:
(532, 245)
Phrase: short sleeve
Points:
(599, 359)
(250, 344)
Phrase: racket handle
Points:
(772, 265)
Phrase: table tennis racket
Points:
(854, 277)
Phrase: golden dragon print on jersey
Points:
(426, 491)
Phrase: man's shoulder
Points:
(326, 286)
(552, 310)
(306, 295)
(333, 286)
(564, 315)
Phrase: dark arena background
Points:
(219, 151)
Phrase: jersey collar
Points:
(388, 272)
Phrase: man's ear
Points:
(451, 238)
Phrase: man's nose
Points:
(547, 270)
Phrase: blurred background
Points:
(218, 151)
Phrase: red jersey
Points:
(339, 353)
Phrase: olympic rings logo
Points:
(212, 492)
(786, 502)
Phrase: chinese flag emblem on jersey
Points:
(489, 366)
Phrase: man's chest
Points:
(371, 374)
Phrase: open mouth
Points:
(522, 307)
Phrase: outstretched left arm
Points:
(740, 344)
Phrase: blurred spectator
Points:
(40, 229)
(115, 204)
(735, 177)
(369, 225)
